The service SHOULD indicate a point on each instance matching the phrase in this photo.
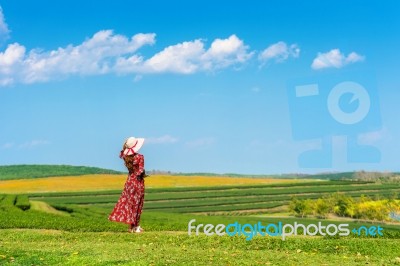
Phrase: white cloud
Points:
(161, 140)
(93, 57)
(106, 52)
(109, 53)
(4, 31)
(279, 52)
(226, 52)
(33, 143)
(334, 58)
(181, 58)
(10, 60)
(189, 57)
(354, 57)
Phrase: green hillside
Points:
(35, 171)
(71, 228)
(355, 175)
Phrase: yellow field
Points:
(110, 182)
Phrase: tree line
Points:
(364, 207)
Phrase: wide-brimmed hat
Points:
(132, 146)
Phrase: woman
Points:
(129, 206)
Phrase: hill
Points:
(324, 176)
(8, 172)
(355, 175)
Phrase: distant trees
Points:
(376, 176)
(323, 207)
(345, 206)
(158, 172)
(301, 207)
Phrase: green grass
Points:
(7, 201)
(42, 247)
(209, 201)
(333, 176)
(94, 219)
(16, 218)
(273, 185)
(22, 202)
(210, 205)
(35, 171)
(82, 235)
(327, 176)
(241, 207)
(44, 207)
(199, 189)
(232, 192)
(225, 198)
(73, 229)
(8, 172)
(265, 191)
(163, 205)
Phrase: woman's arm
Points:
(139, 160)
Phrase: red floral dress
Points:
(129, 206)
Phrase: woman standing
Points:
(129, 206)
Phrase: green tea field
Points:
(71, 228)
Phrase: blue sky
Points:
(209, 85)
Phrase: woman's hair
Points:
(128, 159)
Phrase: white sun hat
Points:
(132, 145)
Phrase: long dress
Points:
(129, 206)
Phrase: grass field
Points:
(65, 223)
(85, 237)
(107, 182)
(230, 199)
(8, 172)
(49, 247)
